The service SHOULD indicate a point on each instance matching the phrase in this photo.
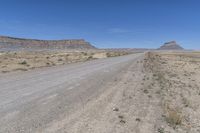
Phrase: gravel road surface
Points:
(46, 99)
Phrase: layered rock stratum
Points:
(11, 42)
(172, 45)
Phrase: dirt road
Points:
(56, 99)
(139, 93)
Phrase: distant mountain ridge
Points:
(9, 42)
(172, 45)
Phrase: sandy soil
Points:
(24, 60)
(178, 77)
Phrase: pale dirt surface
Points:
(33, 100)
(178, 77)
(124, 107)
(155, 92)
(159, 93)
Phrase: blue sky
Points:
(104, 23)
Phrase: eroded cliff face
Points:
(9, 42)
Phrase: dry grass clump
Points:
(173, 116)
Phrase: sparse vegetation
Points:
(60, 59)
(21, 69)
(146, 91)
(177, 87)
(121, 117)
(89, 57)
(161, 130)
(138, 119)
(186, 102)
(12, 60)
(23, 62)
(173, 117)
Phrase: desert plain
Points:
(69, 86)
(11, 61)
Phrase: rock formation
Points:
(171, 46)
(11, 42)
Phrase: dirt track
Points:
(31, 101)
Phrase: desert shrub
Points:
(161, 130)
(21, 69)
(173, 117)
(60, 59)
(48, 63)
(84, 53)
(23, 62)
(90, 57)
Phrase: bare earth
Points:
(138, 93)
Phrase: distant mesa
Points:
(11, 42)
(172, 45)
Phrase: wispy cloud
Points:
(118, 30)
